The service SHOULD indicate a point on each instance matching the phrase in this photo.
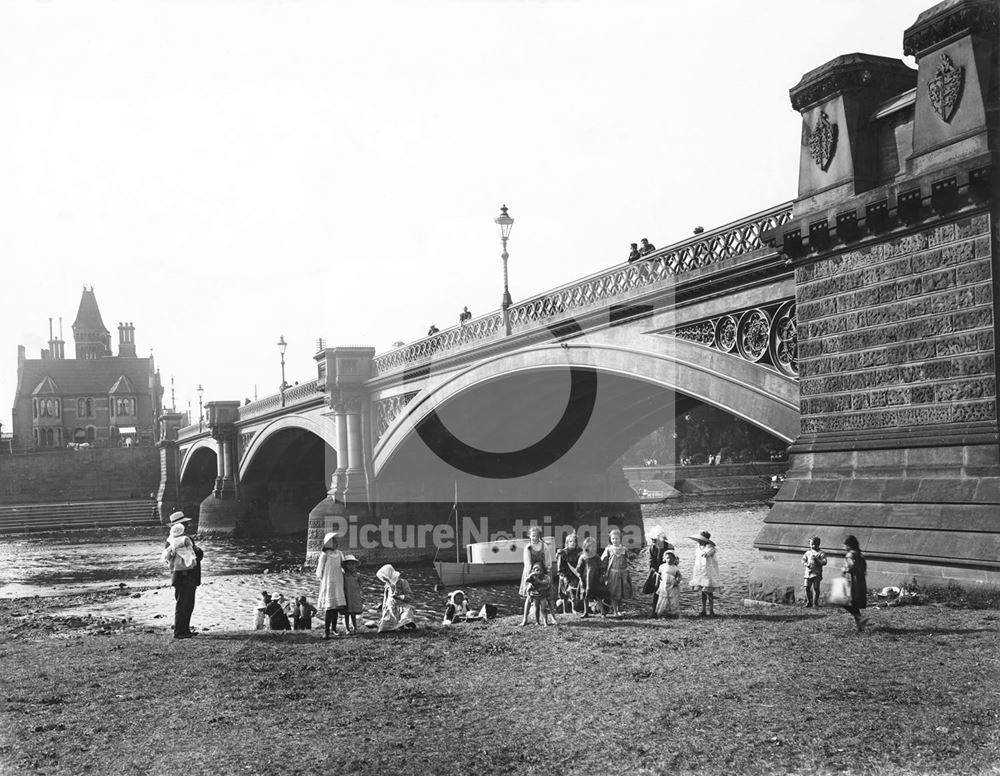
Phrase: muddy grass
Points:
(758, 690)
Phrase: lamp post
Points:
(201, 418)
(505, 222)
(281, 349)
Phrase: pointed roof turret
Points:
(88, 316)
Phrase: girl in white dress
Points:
(668, 601)
(331, 582)
(705, 575)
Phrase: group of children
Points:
(274, 612)
(588, 582)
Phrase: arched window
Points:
(34, 408)
(49, 437)
(79, 435)
(90, 408)
(34, 437)
(91, 434)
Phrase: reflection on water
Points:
(236, 570)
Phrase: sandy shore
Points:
(757, 690)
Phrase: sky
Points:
(228, 172)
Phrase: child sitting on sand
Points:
(275, 612)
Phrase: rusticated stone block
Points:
(972, 273)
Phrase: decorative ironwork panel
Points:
(752, 334)
(387, 410)
(762, 335)
(784, 340)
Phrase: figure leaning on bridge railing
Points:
(646, 248)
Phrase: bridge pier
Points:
(223, 511)
(894, 242)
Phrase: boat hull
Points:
(454, 574)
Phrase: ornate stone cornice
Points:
(848, 73)
(948, 19)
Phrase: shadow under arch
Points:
(284, 473)
(753, 392)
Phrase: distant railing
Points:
(297, 394)
(726, 242)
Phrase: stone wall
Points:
(899, 334)
(79, 475)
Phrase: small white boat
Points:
(650, 496)
(486, 562)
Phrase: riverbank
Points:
(756, 690)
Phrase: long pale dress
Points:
(705, 575)
(331, 580)
(668, 602)
(616, 578)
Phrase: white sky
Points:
(225, 173)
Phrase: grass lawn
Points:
(757, 690)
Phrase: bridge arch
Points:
(265, 435)
(199, 458)
(637, 379)
(285, 471)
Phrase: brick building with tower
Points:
(97, 398)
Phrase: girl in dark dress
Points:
(591, 574)
(569, 580)
(856, 569)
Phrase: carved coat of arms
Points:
(823, 142)
(945, 88)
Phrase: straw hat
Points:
(178, 517)
(654, 533)
(349, 558)
(329, 537)
(702, 538)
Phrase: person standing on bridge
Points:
(634, 255)
(465, 316)
(183, 557)
(646, 248)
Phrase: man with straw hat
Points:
(705, 576)
(183, 557)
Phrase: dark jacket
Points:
(856, 570)
(189, 576)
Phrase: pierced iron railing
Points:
(726, 242)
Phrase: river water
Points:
(235, 571)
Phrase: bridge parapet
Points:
(298, 394)
(726, 242)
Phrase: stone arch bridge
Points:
(520, 424)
